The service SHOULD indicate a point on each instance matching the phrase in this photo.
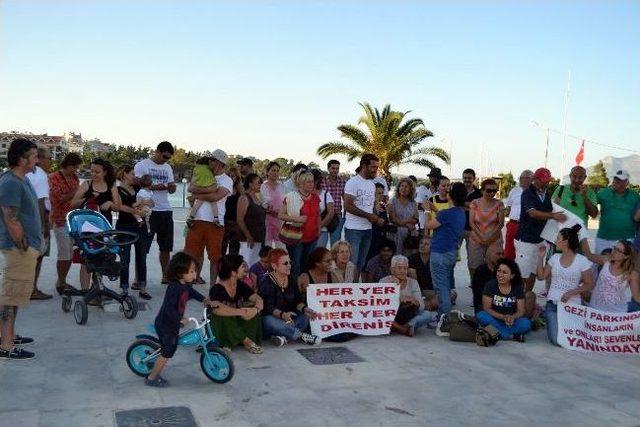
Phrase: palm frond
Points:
(409, 126)
(355, 134)
(437, 152)
(333, 148)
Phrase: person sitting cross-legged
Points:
(503, 302)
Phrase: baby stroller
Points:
(99, 246)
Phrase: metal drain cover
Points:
(173, 416)
(330, 355)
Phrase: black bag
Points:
(333, 224)
(406, 312)
(462, 327)
(487, 336)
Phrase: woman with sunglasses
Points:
(285, 315)
(486, 218)
(617, 275)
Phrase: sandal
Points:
(64, 287)
(254, 348)
(144, 295)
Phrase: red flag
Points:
(580, 155)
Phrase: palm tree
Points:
(395, 143)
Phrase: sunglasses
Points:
(491, 190)
(286, 263)
(166, 156)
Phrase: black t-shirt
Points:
(504, 303)
(423, 271)
(481, 276)
(275, 297)
(125, 218)
(243, 293)
(475, 194)
(231, 207)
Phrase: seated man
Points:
(420, 270)
(380, 265)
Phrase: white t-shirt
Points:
(565, 279)
(422, 194)
(381, 180)
(205, 213)
(160, 174)
(288, 186)
(513, 201)
(143, 194)
(323, 207)
(40, 183)
(364, 192)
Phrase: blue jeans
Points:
(551, 316)
(522, 325)
(299, 254)
(323, 239)
(359, 241)
(442, 265)
(421, 319)
(271, 325)
(141, 246)
(633, 306)
(336, 235)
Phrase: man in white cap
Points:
(206, 231)
(617, 207)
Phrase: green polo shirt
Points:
(616, 214)
(574, 202)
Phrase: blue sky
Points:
(275, 78)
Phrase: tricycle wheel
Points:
(216, 365)
(80, 312)
(136, 354)
(129, 307)
(66, 303)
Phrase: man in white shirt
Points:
(513, 211)
(206, 232)
(161, 220)
(359, 200)
(424, 193)
(39, 180)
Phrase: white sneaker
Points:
(441, 325)
(310, 339)
(278, 340)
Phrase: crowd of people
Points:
(267, 240)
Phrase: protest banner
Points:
(552, 227)
(360, 308)
(585, 329)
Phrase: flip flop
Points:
(254, 348)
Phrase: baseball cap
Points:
(245, 161)
(435, 173)
(220, 156)
(622, 175)
(543, 175)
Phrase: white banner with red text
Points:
(585, 329)
(360, 308)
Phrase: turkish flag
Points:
(580, 155)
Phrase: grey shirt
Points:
(18, 193)
(412, 289)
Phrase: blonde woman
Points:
(403, 212)
(343, 269)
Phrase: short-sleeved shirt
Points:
(422, 194)
(205, 213)
(364, 193)
(276, 298)
(243, 293)
(377, 268)
(564, 279)
(616, 214)
(529, 229)
(59, 187)
(506, 304)
(474, 194)
(446, 237)
(336, 190)
(513, 202)
(40, 183)
(423, 271)
(127, 199)
(18, 193)
(381, 180)
(324, 194)
(203, 176)
(259, 270)
(160, 175)
(574, 202)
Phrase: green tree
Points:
(598, 176)
(393, 141)
(506, 183)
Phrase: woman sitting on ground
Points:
(343, 269)
(286, 315)
(411, 314)
(570, 275)
(236, 319)
(503, 302)
(616, 276)
(318, 270)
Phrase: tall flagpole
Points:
(564, 127)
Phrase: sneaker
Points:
(278, 340)
(158, 382)
(433, 324)
(310, 339)
(37, 295)
(443, 328)
(16, 354)
(20, 340)
(144, 295)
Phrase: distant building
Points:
(97, 146)
(57, 145)
(74, 141)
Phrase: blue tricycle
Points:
(215, 363)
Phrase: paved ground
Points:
(80, 378)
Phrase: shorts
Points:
(526, 257)
(161, 225)
(63, 243)
(18, 276)
(477, 254)
(168, 344)
(204, 234)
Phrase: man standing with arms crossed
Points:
(20, 243)
(334, 185)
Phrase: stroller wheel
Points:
(66, 303)
(80, 312)
(129, 307)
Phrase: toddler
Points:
(202, 177)
(144, 200)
